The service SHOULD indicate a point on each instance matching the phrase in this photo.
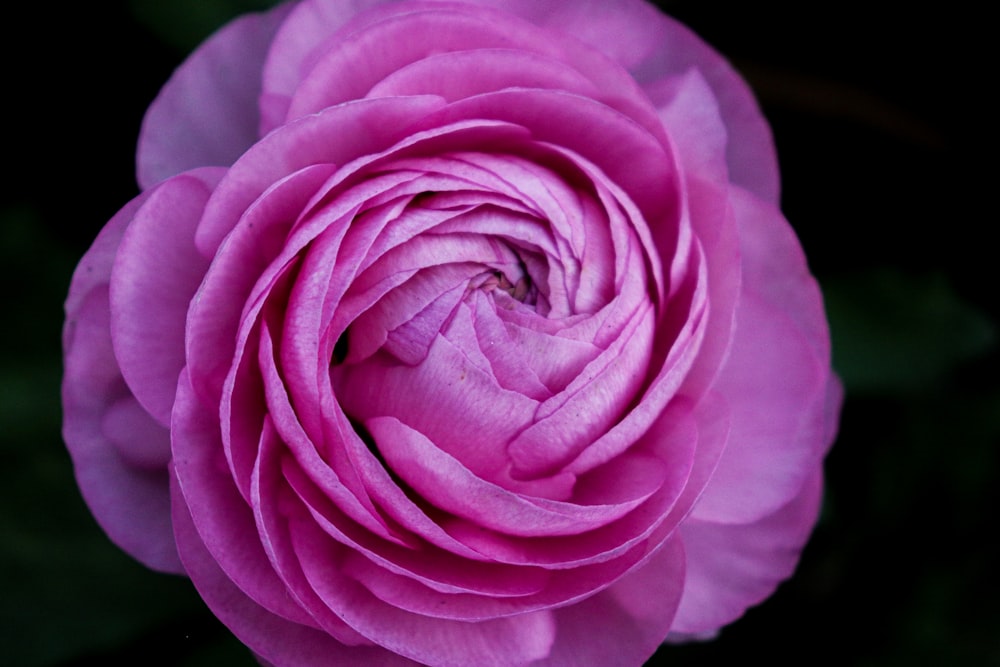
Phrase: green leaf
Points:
(896, 333)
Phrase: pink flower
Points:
(454, 333)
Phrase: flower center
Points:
(520, 290)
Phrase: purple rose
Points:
(454, 333)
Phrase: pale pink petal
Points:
(776, 377)
(625, 624)
(206, 114)
(750, 152)
(732, 567)
(118, 451)
(129, 501)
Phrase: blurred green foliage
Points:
(183, 24)
(898, 333)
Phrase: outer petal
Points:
(777, 377)
(309, 24)
(276, 639)
(206, 114)
(626, 623)
(119, 452)
(627, 31)
(731, 568)
(156, 273)
(750, 152)
(655, 48)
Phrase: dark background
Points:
(883, 132)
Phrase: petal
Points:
(597, 399)
(276, 639)
(626, 623)
(516, 640)
(732, 567)
(627, 153)
(335, 136)
(131, 502)
(698, 134)
(206, 114)
(155, 275)
(624, 30)
(457, 74)
(118, 450)
(776, 378)
(470, 406)
(309, 24)
(750, 152)
(444, 482)
(350, 62)
(141, 441)
(221, 521)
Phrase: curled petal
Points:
(156, 273)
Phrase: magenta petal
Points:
(118, 451)
(776, 389)
(691, 115)
(595, 401)
(334, 137)
(461, 418)
(459, 74)
(518, 639)
(444, 482)
(155, 275)
(141, 441)
(750, 152)
(130, 501)
(776, 378)
(276, 639)
(625, 624)
(223, 522)
(206, 114)
(625, 30)
(631, 157)
(732, 567)
(309, 24)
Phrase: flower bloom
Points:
(454, 333)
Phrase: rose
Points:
(455, 333)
